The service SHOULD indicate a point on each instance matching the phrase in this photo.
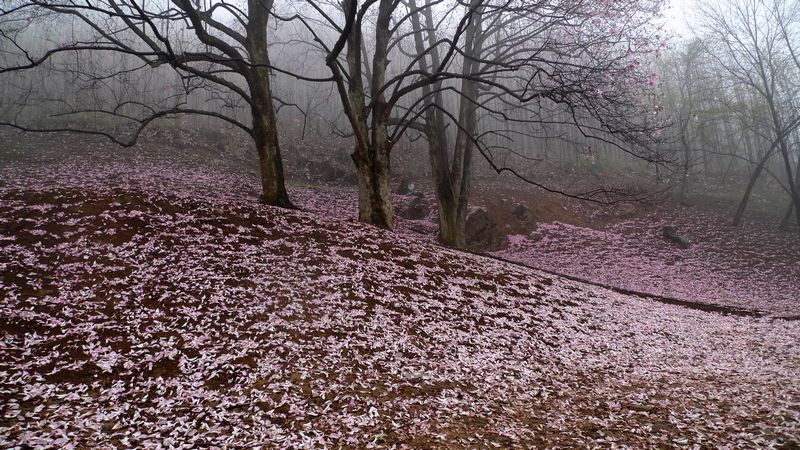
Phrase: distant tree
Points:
(757, 45)
(716, 119)
(219, 48)
(684, 78)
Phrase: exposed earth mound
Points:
(179, 312)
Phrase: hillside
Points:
(147, 305)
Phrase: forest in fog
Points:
(399, 223)
(435, 88)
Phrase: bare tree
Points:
(357, 39)
(442, 68)
(451, 170)
(543, 64)
(684, 78)
(219, 48)
(715, 118)
(754, 43)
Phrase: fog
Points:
(716, 114)
(399, 223)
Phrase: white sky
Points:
(678, 15)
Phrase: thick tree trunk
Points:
(452, 207)
(461, 170)
(449, 233)
(370, 127)
(373, 147)
(273, 188)
(451, 178)
(374, 188)
(461, 166)
(264, 131)
(452, 231)
(452, 223)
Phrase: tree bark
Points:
(453, 218)
(273, 188)
(687, 164)
(265, 132)
(737, 219)
(374, 188)
(372, 155)
(451, 177)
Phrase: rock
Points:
(483, 233)
(671, 234)
(520, 211)
(406, 186)
(416, 208)
(323, 171)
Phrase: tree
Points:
(547, 64)
(685, 77)
(726, 121)
(450, 170)
(756, 44)
(357, 40)
(219, 48)
(455, 64)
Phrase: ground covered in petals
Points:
(754, 267)
(144, 305)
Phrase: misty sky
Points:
(677, 16)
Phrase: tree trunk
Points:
(687, 164)
(370, 127)
(265, 131)
(450, 177)
(461, 166)
(737, 219)
(373, 148)
(273, 188)
(684, 189)
(452, 228)
(792, 208)
(793, 190)
(787, 217)
(451, 198)
(785, 156)
(374, 188)
(452, 223)
(797, 193)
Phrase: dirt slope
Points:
(165, 307)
